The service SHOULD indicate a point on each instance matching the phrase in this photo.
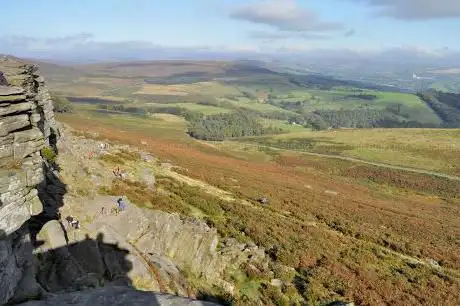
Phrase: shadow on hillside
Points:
(94, 265)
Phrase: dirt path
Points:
(357, 160)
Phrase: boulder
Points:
(53, 235)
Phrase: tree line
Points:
(223, 126)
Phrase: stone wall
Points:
(27, 125)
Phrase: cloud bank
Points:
(83, 47)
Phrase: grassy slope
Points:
(429, 149)
(351, 242)
(330, 100)
(207, 109)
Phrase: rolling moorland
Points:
(438, 76)
(353, 230)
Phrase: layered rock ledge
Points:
(27, 126)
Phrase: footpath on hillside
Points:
(357, 160)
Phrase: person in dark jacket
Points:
(121, 204)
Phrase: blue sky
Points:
(231, 24)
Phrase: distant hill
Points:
(265, 90)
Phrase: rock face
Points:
(147, 245)
(27, 125)
(116, 296)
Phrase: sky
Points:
(429, 26)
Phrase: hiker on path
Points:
(73, 222)
(121, 204)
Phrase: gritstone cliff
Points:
(30, 196)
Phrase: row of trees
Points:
(125, 109)
(356, 118)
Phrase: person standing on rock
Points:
(121, 204)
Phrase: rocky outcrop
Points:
(44, 259)
(116, 296)
(39, 263)
(27, 125)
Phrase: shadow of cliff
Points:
(52, 259)
(51, 193)
(85, 264)
(74, 275)
(86, 272)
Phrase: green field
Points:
(193, 107)
(411, 106)
(429, 149)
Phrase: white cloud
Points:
(70, 39)
(416, 9)
(83, 47)
(43, 43)
(283, 15)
